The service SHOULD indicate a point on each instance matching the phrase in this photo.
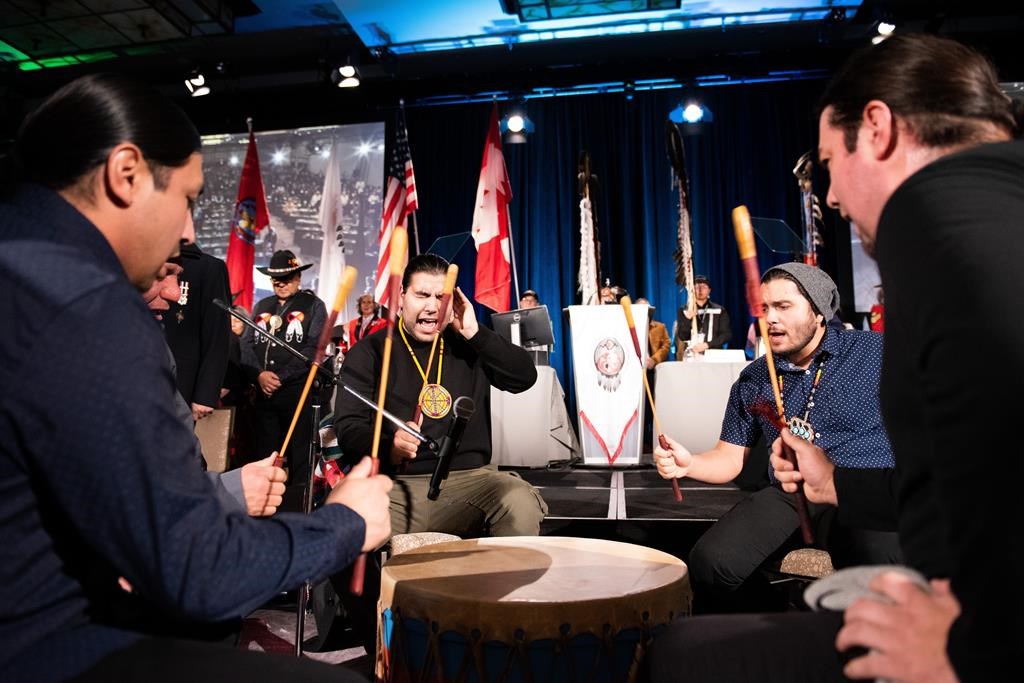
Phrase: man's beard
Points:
(803, 334)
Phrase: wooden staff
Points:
(810, 210)
(442, 318)
(748, 256)
(627, 308)
(348, 280)
(683, 255)
(398, 247)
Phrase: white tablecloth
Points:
(532, 428)
(690, 397)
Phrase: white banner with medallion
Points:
(609, 383)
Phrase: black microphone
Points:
(462, 409)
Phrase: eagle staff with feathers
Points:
(810, 212)
(590, 247)
(683, 255)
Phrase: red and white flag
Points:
(490, 225)
(399, 201)
(250, 217)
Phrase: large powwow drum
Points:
(525, 609)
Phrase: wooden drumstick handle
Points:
(663, 442)
(748, 255)
(801, 498)
(355, 584)
(348, 280)
(627, 308)
(399, 246)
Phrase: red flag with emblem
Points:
(250, 217)
(490, 224)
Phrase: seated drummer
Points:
(476, 499)
(829, 381)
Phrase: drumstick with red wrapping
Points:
(348, 280)
(442, 318)
(397, 247)
(748, 256)
(627, 308)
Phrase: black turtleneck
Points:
(470, 368)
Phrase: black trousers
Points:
(724, 563)
(271, 417)
(794, 647)
(175, 661)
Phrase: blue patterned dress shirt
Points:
(98, 477)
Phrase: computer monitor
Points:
(524, 326)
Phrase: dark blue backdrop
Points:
(745, 156)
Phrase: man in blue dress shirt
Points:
(101, 481)
(829, 379)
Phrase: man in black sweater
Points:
(916, 134)
(476, 499)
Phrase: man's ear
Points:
(878, 129)
(123, 172)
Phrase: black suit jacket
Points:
(197, 331)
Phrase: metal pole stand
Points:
(307, 508)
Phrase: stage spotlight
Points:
(516, 126)
(691, 112)
(196, 84)
(345, 76)
(885, 28)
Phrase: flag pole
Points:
(412, 215)
(512, 257)
(508, 227)
(415, 232)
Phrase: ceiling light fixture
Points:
(345, 76)
(516, 125)
(196, 84)
(691, 113)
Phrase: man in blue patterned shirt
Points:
(829, 379)
(102, 482)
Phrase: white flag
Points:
(332, 255)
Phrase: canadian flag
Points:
(490, 224)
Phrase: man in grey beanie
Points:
(829, 380)
(814, 284)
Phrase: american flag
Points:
(399, 202)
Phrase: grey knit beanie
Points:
(820, 289)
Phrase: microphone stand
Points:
(324, 377)
(462, 410)
(327, 376)
(307, 508)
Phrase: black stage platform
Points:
(633, 505)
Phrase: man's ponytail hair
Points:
(946, 93)
(74, 130)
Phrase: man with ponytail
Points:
(98, 474)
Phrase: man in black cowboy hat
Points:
(295, 317)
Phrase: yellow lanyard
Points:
(440, 359)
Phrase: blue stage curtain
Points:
(745, 156)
